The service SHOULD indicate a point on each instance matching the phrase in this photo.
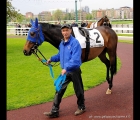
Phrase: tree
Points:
(57, 15)
(94, 14)
(88, 16)
(11, 12)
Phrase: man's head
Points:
(73, 21)
(65, 26)
(66, 31)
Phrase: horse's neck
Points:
(100, 23)
(52, 35)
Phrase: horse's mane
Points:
(49, 25)
(52, 33)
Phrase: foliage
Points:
(58, 15)
(94, 12)
(11, 12)
(88, 16)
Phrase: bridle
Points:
(105, 20)
(36, 40)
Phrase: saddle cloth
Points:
(96, 39)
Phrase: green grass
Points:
(29, 81)
(126, 41)
(119, 21)
(130, 35)
(122, 22)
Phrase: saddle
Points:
(85, 33)
(88, 38)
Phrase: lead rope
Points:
(61, 78)
(44, 62)
(35, 49)
(44, 57)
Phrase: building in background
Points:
(29, 15)
(85, 9)
(67, 14)
(44, 16)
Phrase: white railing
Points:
(17, 31)
(24, 31)
(122, 28)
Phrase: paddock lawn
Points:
(29, 81)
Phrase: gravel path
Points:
(99, 106)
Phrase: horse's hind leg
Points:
(113, 70)
(105, 60)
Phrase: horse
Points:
(46, 32)
(103, 21)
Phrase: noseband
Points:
(37, 39)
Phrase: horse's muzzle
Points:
(27, 53)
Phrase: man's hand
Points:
(39, 59)
(48, 61)
(63, 71)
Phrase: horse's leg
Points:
(104, 59)
(113, 70)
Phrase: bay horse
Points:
(51, 33)
(103, 21)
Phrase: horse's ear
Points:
(36, 22)
(110, 25)
(31, 21)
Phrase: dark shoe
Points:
(52, 114)
(79, 111)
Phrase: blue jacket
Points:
(69, 54)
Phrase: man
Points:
(64, 22)
(73, 24)
(18, 26)
(83, 24)
(86, 23)
(69, 56)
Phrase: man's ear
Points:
(70, 30)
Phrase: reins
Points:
(44, 60)
(104, 19)
(35, 50)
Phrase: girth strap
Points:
(87, 50)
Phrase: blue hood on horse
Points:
(37, 29)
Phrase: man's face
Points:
(66, 32)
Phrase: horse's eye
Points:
(32, 33)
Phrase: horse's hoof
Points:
(108, 91)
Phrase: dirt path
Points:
(99, 106)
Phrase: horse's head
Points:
(35, 38)
(104, 21)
